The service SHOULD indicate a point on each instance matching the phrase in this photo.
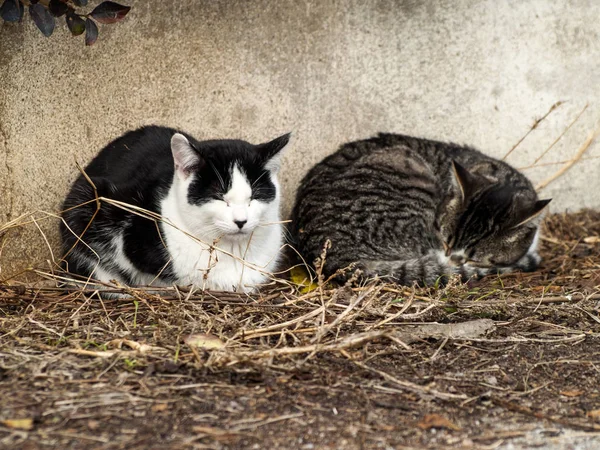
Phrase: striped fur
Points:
(415, 210)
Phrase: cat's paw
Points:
(480, 272)
(529, 262)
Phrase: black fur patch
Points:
(138, 168)
(213, 179)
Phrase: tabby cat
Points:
(417, 210)
(216, 204)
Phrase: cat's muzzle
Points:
(458, 259)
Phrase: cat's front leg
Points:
(470, 271)
(529, 262)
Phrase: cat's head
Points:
(488, 223)
(226, 188)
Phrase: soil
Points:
(515, 363)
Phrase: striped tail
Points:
(433, 269)
(427, 270)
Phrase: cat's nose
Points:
(240, 223)
(457, 259)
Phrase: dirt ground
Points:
(504, 362)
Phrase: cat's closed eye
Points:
(451, 240)
(448, 244)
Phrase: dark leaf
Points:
(42, 18)
(57, 8)
(75, 23)
(11, 10)
(80, 2)
(91, 32)
(109, 12)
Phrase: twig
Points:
(570, 164)
(540, 415)
(439, 349)
(423, 390)
(348, 342)
(405, 306)
(84, 437)
(268, 421)
(561, 134)
(100, 354)
(326, 328)
(41, 325)
(543, 300)
(511, 339)
(555, 163)
(286, 324)
(533, 127)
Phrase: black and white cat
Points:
(218, 201)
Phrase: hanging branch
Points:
(44, 14)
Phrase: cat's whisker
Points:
(287, 236)
(255, 182)
(220, 178)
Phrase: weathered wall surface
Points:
(474, 71)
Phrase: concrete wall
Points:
(471, 71)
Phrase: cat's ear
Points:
(271, 152)
(185, 156)
(467, 182)
(535, 212)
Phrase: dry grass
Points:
(504, 361)
(503, 358)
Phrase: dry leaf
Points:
(216, 433)
(159, 407)
(573, 393)
(19, 424)
(591, 240)
(594, 414)
(547, 288)
(300, 277)
(141, 348)
(460, 330)
(436, 421)
(206, 341)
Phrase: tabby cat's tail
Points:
(435, 268)
(427, 270)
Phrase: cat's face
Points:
(488, 224)
(227, 188)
